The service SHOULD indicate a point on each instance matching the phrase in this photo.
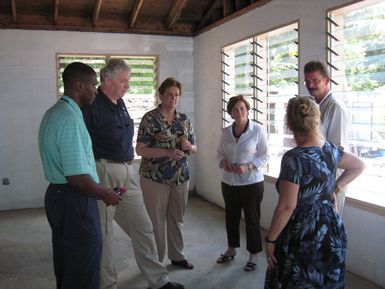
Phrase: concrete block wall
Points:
(28, 89)
(365, 227)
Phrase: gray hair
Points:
(113, 67)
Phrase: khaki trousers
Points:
(166, 206)
(132, 217)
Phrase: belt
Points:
(114, 162)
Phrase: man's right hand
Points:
(110, 197)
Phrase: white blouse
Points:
(251, 147)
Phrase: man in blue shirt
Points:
(70, 201)
(112, 129)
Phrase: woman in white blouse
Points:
(242, 153)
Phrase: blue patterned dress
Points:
(311, 248)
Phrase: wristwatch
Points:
(269, 241)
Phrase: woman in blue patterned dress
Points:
(306, 242)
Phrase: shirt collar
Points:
(110, 104)
(72, 103)
(177, 114)
(327, 95)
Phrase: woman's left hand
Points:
(271, 260)
(186, 146)
(240, 169)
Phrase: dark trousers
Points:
(76, 237)
(247, 198)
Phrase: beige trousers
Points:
(166, 205)
(132, 217)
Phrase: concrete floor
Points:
(26, 257)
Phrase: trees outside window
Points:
(265, 69)
(356, 58)
(140, 98)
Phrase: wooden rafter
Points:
(233, 15)
(175, 12)
(56, 11)
(14, 13)
(206, 17)
(135, 12)
(228, 7)
(98, 5)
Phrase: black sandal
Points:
(250, 266)
(184, 264)
(224, 258)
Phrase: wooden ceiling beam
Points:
(135, 12)
(175, 13)
(56, 11)
(95, 15)
(214, 5)
(14, 12)
(228, 7)
(235, 14)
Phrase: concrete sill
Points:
(357, 197)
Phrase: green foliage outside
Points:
(143, 71)
(364, 48)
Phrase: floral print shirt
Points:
(155, 131)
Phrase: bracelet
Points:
(269, 241)
(337, 189)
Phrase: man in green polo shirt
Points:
(70, 201)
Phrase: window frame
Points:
(106, 57)
(260, 110)
(371, 184)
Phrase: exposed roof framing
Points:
(209, 13)
(163, 17)
(175, 13)
(14, 13)
(98, 5)
(56, 11)
(135, 12)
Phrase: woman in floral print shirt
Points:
(165, 140)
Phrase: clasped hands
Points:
(233, 168)
(178, 154)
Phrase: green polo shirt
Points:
(64, 143)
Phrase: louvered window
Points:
(140, 98)
(265, 69)
(356, 58)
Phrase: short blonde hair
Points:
(303, 116)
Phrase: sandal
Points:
(184, 264)
(250, 266)
(224, 258)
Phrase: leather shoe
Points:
(172, 285)
(184, 264)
